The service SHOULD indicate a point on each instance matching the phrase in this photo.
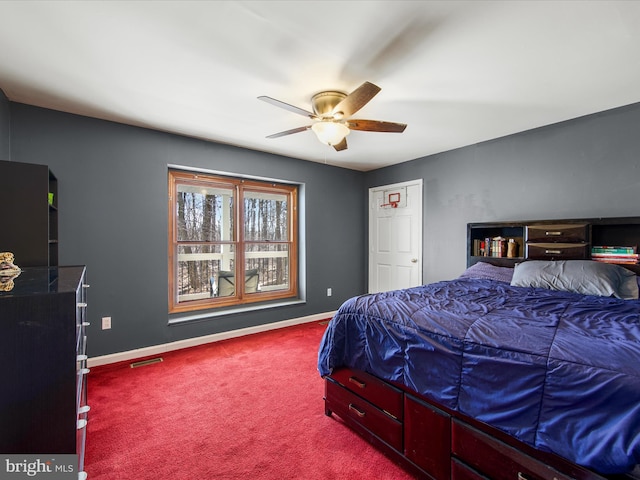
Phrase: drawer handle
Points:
(82, 423)
(84, 409)
(82, 305)
(357, 411)
(552, 252)
(524, 476)
(551, 234)
(81, 358)
(357, 382)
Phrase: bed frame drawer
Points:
(381, 394)
(352, 407)
(557, 251)
(460, 471)
(559, 233)
(495, 459)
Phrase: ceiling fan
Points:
(333, 110)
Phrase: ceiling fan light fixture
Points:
(330, 133)
(333, 111)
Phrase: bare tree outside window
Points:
(266, 238)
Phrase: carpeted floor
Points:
(246, 408)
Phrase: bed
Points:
(537, 365)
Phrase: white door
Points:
(395, 236)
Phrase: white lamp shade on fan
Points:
(330, 133)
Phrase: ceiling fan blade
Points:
(341, 146)
(289, 132)
(286, 106)
(357, 99)
(376, 126)
(392, 43)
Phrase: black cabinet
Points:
(43, 363)
(29, 210)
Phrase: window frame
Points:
(240, 185)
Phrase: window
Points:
(222, 229)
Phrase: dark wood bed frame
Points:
(433, 442)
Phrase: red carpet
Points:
(246, 408)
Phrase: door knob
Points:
(414, 260)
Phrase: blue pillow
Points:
(580, 276)
(488, 272)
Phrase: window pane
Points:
(204, 214)
(198, 268)
(271, 263)
(265, 216)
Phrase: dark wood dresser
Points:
(43, 363)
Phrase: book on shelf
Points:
(615, 254)
(478, 247)
(614, 249)
(496, 247)
(626, 261)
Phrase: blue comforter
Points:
(557, 370)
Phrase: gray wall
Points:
(113, 218)
(588, 167)
(112, 190)
(5, 128)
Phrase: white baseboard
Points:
(193, 342)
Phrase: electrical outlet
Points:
(106, 323)
(329, 292)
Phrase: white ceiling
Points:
(457, 72)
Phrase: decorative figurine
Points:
(8, 271)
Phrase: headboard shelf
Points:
(566, 239)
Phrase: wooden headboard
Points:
(557, 239)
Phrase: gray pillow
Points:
(580, 276)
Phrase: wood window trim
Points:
(240, 185)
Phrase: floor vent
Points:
(142, 363)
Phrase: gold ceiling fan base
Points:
(323, 103)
